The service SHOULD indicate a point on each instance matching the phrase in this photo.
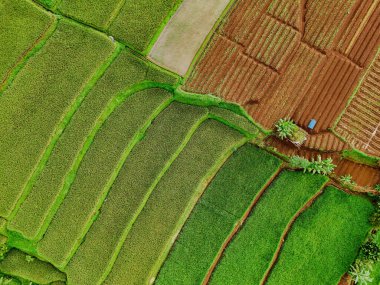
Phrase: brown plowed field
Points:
(329, 92)
(363, 175)
(360, 123)
(357, 41)
(325, 142)
(288, 11)
(302, 59)
(323, 19)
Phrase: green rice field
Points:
(111, 173)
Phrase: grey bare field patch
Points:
(185, 33)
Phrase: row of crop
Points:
(323, 241)
(26, 25)
(170, 203)
(97, 172)
(142, 170)
(253, 248)
(223, 204)
(39, 97)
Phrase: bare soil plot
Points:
(362, 174)
(279, 58)
(185, 33)
(360, 123)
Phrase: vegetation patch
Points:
(58, 71)
(25, 24)
(97, 172)
(164, 214)
(27, 267)
(324, 240)
(143, 169)
(223, 203)
(249, 254)
(49, 188)
(138, 21)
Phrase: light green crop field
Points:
(26, 24)
(111, 173)
(58, 71)
(139, 21)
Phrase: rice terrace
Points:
(186, 142)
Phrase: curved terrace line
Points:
(61, 128)
(286, 233)
(237, 227)
(146, 197)
(187, 211)
(136, 138)
(28, 53)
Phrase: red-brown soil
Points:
(360, 124)
(346, 280)
(290, 58)
(363, 175)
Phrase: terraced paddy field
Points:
(110, 173)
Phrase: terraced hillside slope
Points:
(298, 59)
(110, 173)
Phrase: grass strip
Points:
(247, 257)
(26, 25)
(162, 27)
(96, 14)
(58, 71)
(19, 264)
(61, 127)
(97, 173)
(169, 205)
(142, 171)
(234, 120)
(324, 240)
(222, 205)
(361, 157)
(138, 21)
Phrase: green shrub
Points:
(374, 219)
(318, 166)
(299, 162)
(285, 128)
(377, 187)
(347, 181)
(360, 273)
(3, 251)
(370, 251)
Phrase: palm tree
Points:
(285, 128)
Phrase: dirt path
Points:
(237, 227)
(285, 234)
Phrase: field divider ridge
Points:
(287, 231)
(62, 126)
(150, 190)
(27, 54)
(137, 138)
(167, 19)
(187, 211)
(106, 113)
(238, 226)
